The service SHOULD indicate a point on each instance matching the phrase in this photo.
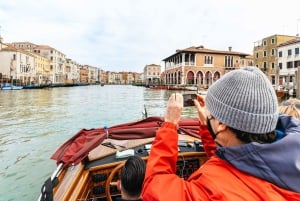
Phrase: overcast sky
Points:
(126, 35)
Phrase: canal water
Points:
(34, 123)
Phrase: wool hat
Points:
(244, 99)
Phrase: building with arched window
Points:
(200, 66)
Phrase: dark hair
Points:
(259, 138)
(132, 175)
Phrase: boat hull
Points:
(12, 87)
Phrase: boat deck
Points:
(88, 180)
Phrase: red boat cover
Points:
(77, 148)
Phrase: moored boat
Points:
(191, 88)
(90, 160)
(7, 86)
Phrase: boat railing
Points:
(45, 188)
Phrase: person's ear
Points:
(221, 127)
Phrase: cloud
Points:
(126, 35)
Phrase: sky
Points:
(127, 35)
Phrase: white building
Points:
(152, 74)
(17, 65)
(93, 74)
(72, 71)
(288, 63)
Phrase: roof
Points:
(14, 49)
(46, 47)
(289, 42)
(201, 49)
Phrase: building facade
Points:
(72, 72)
(42, 69)
(152, 74)
(288, 63)
(201, 66)
(57, 62)
(265, 55)
(17, 66)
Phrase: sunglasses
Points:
(287, 103)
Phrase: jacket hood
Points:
(277, 162)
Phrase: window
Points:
(256, 54)
(273, 52)
(273, 41)
(280, 54)
(228, 61)
(273, 79)
(265, 66)
(272, 65)
(296, 64)
(280, 65)
(265, 53)
(208, 60)
(289, 52)
(265, 42)
(297, 51)
(289, 64)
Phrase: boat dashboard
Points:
(90, 180)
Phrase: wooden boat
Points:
(87, 163)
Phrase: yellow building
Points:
(201, 66)
(265, 54)
(42, 67)
(84, 74)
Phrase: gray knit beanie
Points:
(244, 99)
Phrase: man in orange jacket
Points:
(254, 150)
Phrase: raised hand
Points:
(174, 108)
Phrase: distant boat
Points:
(7, 86)
(191, 88)
(202, 92)
(33, 86)
(102, 84)
(175, 87)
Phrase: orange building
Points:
(200, 66)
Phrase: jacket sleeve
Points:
(208, 143)
(161, 181)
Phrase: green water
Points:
(34, 123)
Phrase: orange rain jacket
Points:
(215, 180)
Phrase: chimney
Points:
(229, 48)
